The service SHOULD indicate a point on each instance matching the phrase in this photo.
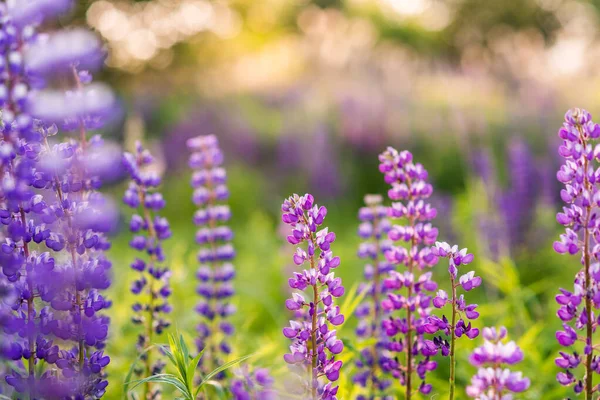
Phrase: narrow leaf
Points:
(127, 379)
(220, 369)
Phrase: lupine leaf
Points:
(169, 379)
(178, 355)
(191, 368)
(220, 369)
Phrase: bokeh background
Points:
(304, 94)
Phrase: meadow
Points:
(164, 168)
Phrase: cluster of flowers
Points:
(55, 220)
(409, 193)
(149, 230)
(492, 381)
(216, 272)
(580, 176)
(315, 345)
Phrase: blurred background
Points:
(304, 94)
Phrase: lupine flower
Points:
(579, 217)
(149, 231)
(216, 253)
(70, 217)
(453, 328)
(492, 380)
(256, 385)
(409, 193)
(373, 229)
(314, 343)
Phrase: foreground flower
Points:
(71, 217)
(453, 328)
(493, 380)
(373, 229)
(409, 193)
(314, 342)
(149, 231)
(579, 217)
(216, 272)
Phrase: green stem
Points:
(452, 343)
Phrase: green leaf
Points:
(178, 355)
(191, 369)
(3, 397)
(220, 369)
(130, 372)
(218, 387)
(169, 379)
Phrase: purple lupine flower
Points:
(453, 328)
(48, 198)
(373, 229)
(70, 217)
(255, 385)
(314, 343)
(216, 272)
(409, 192)
(492, 380)
(149, 231)
(19, 148)
(579, 217)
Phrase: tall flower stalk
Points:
(68, 215)
(373, 230)
(214, 237)
(314, 342)
(460, 310)
(149, 230)
(409, 193)
(494, 381)
(579, 217)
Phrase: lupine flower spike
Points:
(457, 326)
(152, 284)
(493, 381)
(373, 229)
(580, 176)
(314, 342)
(409, 193)
(71, 216)
(216, 253)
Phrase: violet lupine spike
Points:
(20, 328)
(580, 176)
(253, 385)
(34, 218)
(149, 231)
(373, 230)
(453, 328)
(409, 193)
(493, 380)
(216, 272)
(75, 216)
(315, 345)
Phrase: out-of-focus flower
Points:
(216, 272)
(493, 380)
